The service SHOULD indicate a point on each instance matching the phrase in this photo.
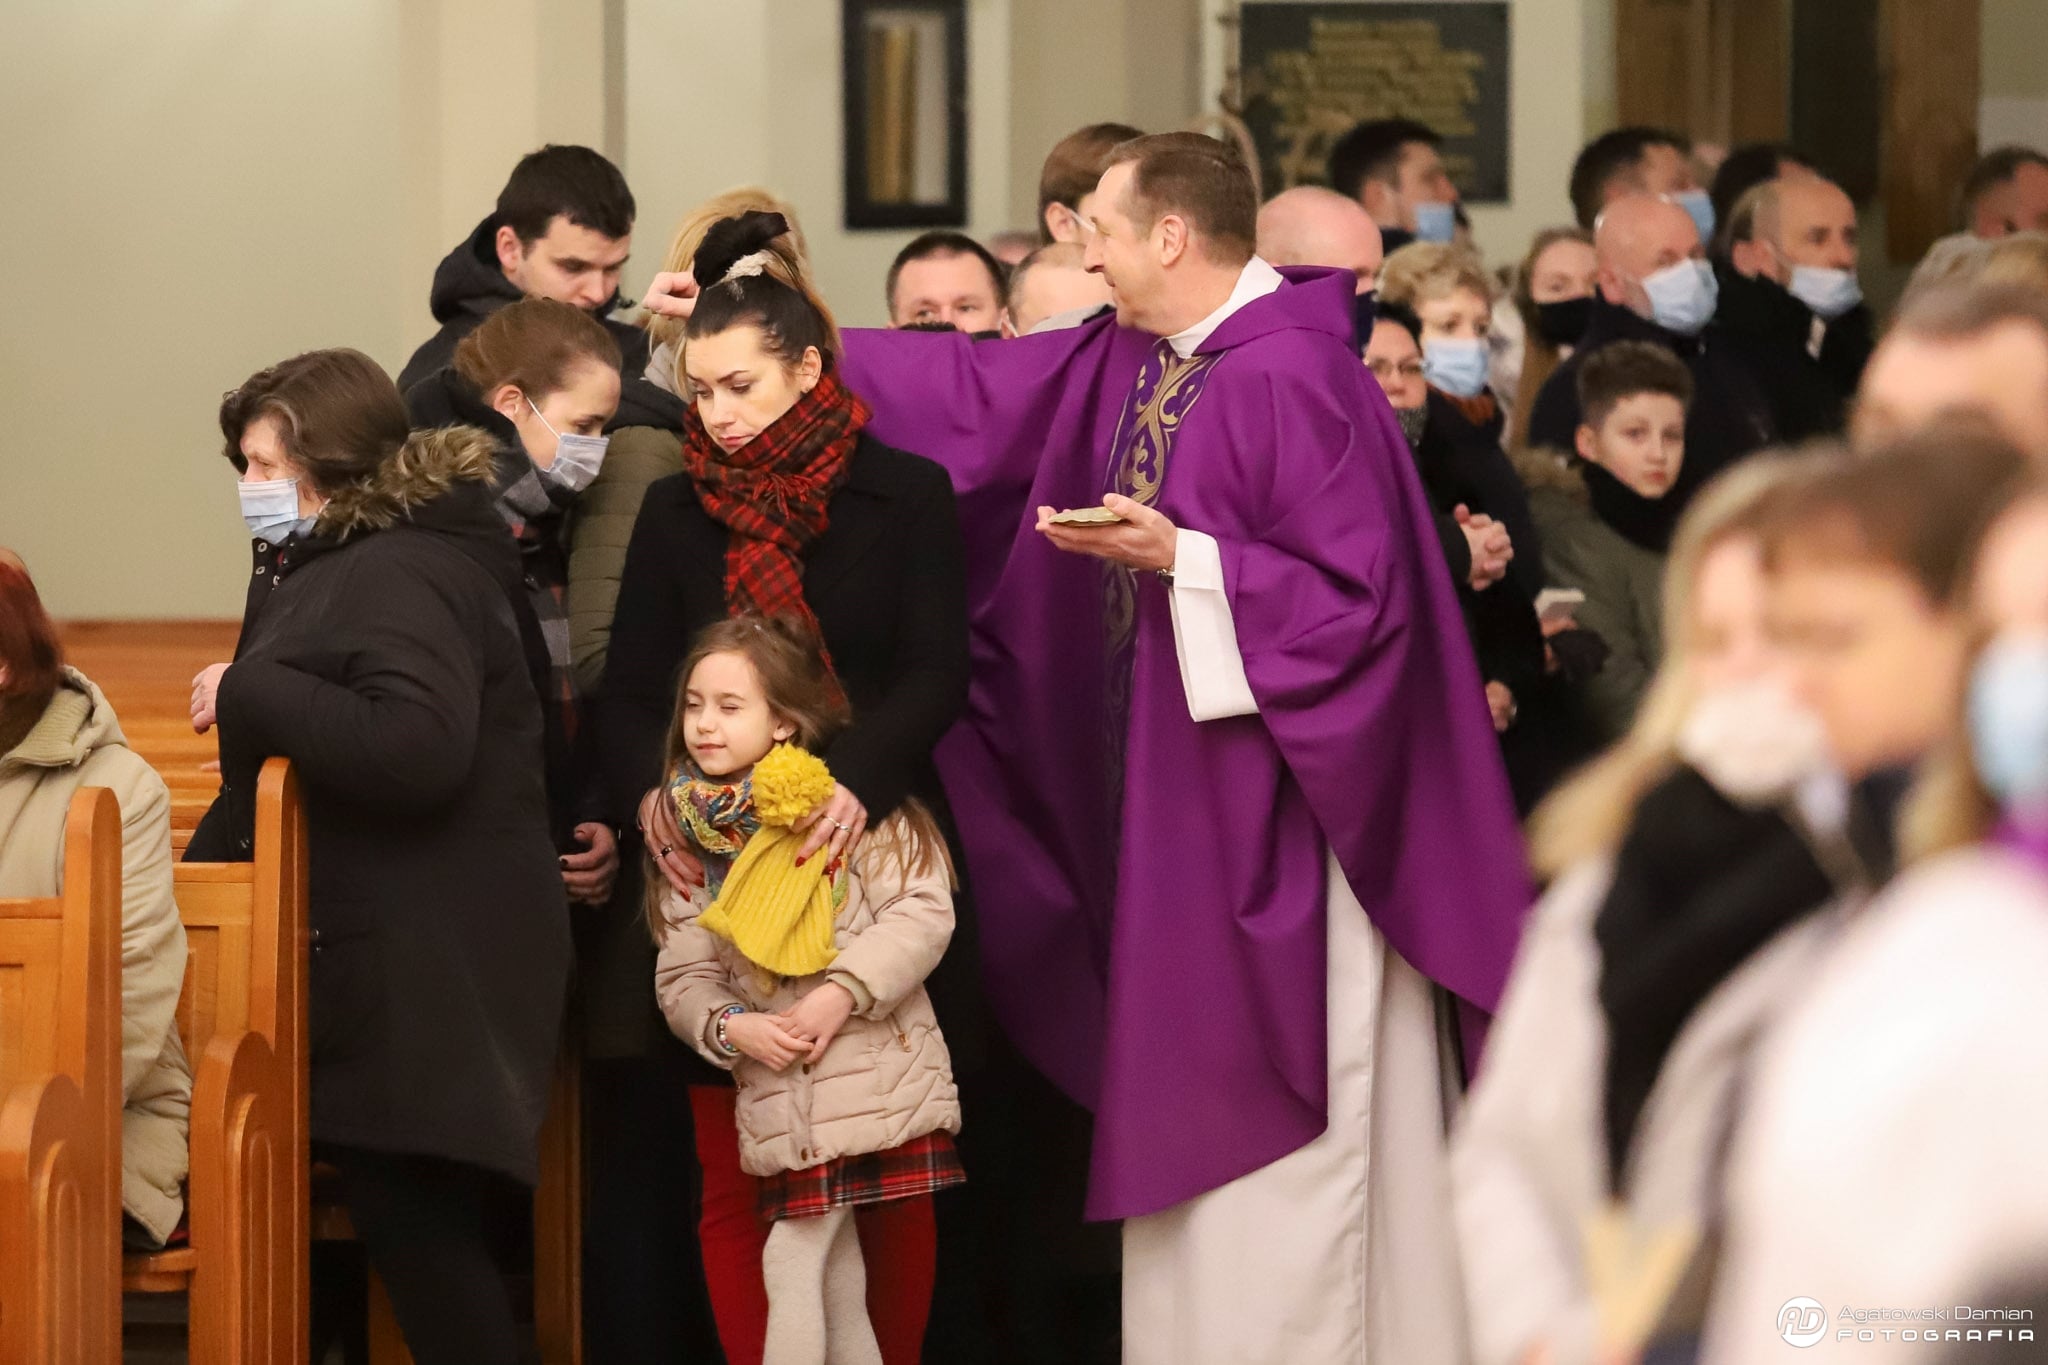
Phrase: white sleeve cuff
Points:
(1204, 636)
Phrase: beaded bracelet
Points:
(724, 1017)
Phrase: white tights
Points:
(817, 1293)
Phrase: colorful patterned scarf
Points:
(772, 493)
(717, 818)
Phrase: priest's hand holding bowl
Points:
(1141, 538)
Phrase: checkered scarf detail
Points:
(771, 494)
(533, 510)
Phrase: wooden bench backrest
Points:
(245, 929)
(60, 1101)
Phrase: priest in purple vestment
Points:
(1229, 798)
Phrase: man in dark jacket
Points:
(562, 230)
(1655, 285)
(1791, 307)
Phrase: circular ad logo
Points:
(1802, 1322)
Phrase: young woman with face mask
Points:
(1892, 1150)
(1553, 293)
(1695, 870)
(542, 378)
(787, 505)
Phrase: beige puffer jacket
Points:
(887, 1078)
(78, 743)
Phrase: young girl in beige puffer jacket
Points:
(805, 977)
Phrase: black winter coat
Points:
(388, 668)
(1729, 417)
(887, 582)
(468, 287)
(1460, 466)
(1769, 331)
(445, 399)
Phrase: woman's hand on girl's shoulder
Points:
(663, 839)
(839, 821)
(767, 1038)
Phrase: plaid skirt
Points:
(919, 1166)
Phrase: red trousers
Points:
(898, 1240)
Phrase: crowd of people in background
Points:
(1736, 581)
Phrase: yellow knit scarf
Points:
(779, 915)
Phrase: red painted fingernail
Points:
(799, 862)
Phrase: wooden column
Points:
(1930, 57)
(1753, 47)
(1715, 70)
(1660, 63)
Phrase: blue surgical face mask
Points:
(1700, 205)
(1436, 222)
(577, 458)
(1457, 367)
(270, 507)
(2009, 720)
(1829, 293)
(1682, 296)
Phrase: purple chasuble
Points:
(1164, 963)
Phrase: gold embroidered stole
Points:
(1163, 395)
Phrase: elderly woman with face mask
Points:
(388, 666)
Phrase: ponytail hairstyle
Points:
(750, 272)
(663, 330)
(788, 657)
(533, 345)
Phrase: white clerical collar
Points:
(1255, 281)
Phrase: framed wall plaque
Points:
(1307, 72)
(905, 82)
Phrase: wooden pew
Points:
(60, 1118)
(558, 1216)
(242, 1018)
(145, 669)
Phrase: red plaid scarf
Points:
(771, 494)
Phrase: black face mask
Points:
(1363, 307)
(1414, 422)
(1562, 323)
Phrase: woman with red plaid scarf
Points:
(787, 507)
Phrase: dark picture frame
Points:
(904, 79)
